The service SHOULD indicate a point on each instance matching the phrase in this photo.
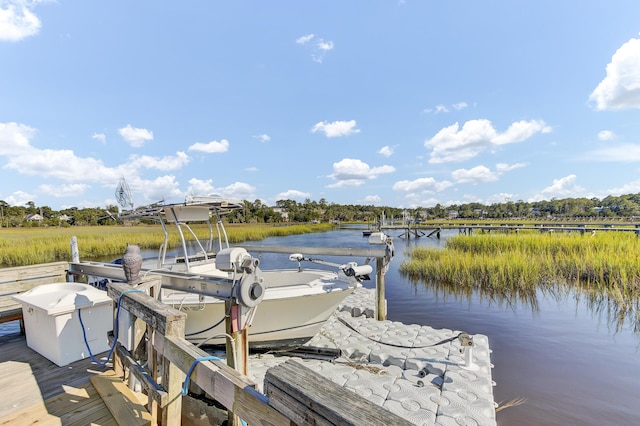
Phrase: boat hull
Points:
(295, 306)
(277, 322)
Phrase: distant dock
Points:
(417, 230)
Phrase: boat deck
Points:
(36, 391)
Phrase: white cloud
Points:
(17, 20)
(325, 46)
(165, 163)
(428, 185)
(564, 187)
(134, 136)
(628, 188)
(455, 144)
(239, 190)
(64, 165)
(474, 175)
(200, 187)
(305, 39)
(480, 174)
(443, 108)
(293, 194)
(353, 172)
(19, 198)
(502, 197)
(251, 169)
(14, 138)
(387, 151)
(263, 137)
(211, 147)
(606, 135)
(372, 199)
(100, 137)
(59, 191)
(318, 49)
(336, 128)
(504, 167)
(161, 188)
(620, 89)
(624, 153)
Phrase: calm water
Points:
(567, 361)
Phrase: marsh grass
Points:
(29, 246)
(604, 268)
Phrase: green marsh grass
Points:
(29, 246)
(604, 267)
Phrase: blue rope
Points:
(115, 330)
(185, 387)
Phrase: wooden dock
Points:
(35, 390)
(417, 230)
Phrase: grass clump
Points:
(604, 266)
(30, 246)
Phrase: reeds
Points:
(29, 246)
(604, 267)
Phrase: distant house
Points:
(282, 212)
(480, 212)
(452, 214)
(64, 218)
(34, 218)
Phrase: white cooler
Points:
(52, 324)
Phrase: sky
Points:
(378, 102)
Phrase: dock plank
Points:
(18, 377)
(121, 401)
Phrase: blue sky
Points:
(384, 102)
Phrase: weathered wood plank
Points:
(231, 389)
(172, 379)
(18, 279)
(25, 392)
(151, 387)
(165, 319)
(10, 314)
(12, 278)
(308, 398)
(36, 414)
(120, 400)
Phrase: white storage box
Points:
(52, 324)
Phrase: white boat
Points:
(288, 306)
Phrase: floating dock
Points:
(416, 372)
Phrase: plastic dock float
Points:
(424, 375)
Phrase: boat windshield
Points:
(195, 209)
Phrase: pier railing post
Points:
(381, 301)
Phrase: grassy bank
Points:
(605, 266)
(29, 246)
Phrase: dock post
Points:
(381, 301)
(237, 353)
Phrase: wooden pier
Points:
(35, 390)
(418, 230)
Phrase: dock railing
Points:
(167, 357)
(161, 361)
(16, 280)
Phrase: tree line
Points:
(623, 206)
